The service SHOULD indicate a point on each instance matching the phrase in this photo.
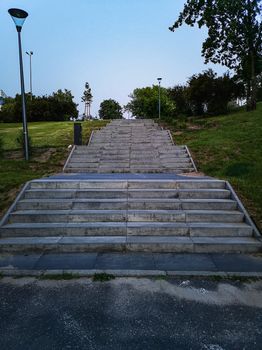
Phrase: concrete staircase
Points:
(137, 146)
(199, 215)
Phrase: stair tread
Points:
(130, 239)
(122, 211)
(130, 224)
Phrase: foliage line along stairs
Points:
(128, 212)
(124, 146)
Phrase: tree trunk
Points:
(253, 84)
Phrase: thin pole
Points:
(25, 131)
(31, 88)
(159, 100)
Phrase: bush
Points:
(20, 141)
(1, 146)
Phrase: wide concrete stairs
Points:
(199, 215)
(124, 146)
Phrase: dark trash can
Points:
(77, 134)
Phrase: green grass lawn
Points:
(47, 134)
(50, 141)
(230, 147)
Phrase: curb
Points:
(127, 273)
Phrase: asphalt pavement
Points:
(130, 313)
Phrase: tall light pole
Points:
(159, 97)
(30, 54)
(19, 17)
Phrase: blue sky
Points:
(115, 45)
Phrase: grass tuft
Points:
(59, 277)
(103, 277)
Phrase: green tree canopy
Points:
(110, 109)
(57, 107)
(144, 103)
(234, 36)
(205, 93)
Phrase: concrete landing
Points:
(125, 176)
(133, 264)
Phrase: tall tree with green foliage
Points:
(144, 103)
(110, 109)
(234, 36)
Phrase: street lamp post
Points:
(159, 97)
(19, 17)
(30, 54)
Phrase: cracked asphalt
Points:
(130, 313)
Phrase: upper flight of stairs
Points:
(137, 146)
(200, 215)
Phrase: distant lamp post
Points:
(159, 97)
(30, 54)
(19, 17)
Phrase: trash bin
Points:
(77, 134)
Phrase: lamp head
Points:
(18, 17)
(159, 79)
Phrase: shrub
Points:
(1, 146)
(20, 141)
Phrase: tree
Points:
(205, 93)
(234, 36)
(144, 103)
(57, 107)
(178, 94)
(110, 109)
(87, 98)
(210, 94)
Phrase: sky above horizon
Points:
(115, 45)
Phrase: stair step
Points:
(205, 229)
(42, 229)
(139, 203)
(130, 243)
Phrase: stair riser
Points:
(131, 217)
(205, 217)
(150, 248)
(76, 194)
(67, 248)
(152, 194)
(209, 206)
(64, 231)
(82, 165)
(79, 185)
(175, 184)
(50, 218)
(218, 232)
(159, 231)
(205, 195)
(79, 170)
(73, 206)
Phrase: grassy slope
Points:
(230, 147)
(46, 134)
(50, 142)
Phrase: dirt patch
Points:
(8, 199)
(42, 156)
(195, 174)
(194, 127)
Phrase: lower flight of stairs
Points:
(130, 215)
